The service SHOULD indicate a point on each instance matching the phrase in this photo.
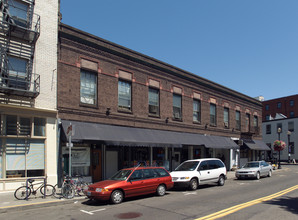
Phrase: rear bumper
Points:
(245, 175)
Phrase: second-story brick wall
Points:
(110, 58)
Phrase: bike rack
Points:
(37, 178)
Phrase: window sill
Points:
(88, 105)
(177, 119)
(123, 110)
(197, 122)
(153, 116)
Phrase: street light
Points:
(289, 147)
(279, 131)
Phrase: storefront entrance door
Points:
(96, 165)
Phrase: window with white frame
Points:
(124, 95)
(153, 98)
(88, 87)
(20, 154)
(196, 110)
(39, 126)
(24, 158)
(177, 106)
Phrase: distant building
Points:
(288, 106)
(288, 134)
(281, 113)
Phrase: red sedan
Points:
(131, 182)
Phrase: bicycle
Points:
(71, 186)
(24, 192)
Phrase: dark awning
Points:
(220, 142)
(256, 145)
(129, 136)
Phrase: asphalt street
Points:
(268, 198)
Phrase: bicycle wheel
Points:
(80, 189)
(20, 193)
(68, 191)
(47, 190)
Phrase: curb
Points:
(22, 207)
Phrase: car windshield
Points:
(187, 166)
(121, 175)
(253, 164)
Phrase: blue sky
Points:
(250, 46)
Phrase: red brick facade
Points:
(287, 106)
(76, 48)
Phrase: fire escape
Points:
(19, 31)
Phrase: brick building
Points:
(28, 104)
(125, 108)
(288, 106)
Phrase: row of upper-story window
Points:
(17, 125)
(279, 105)
(19, 12)
(88, 95)
(279, 128)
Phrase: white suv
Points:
(192, 173)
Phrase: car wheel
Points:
(193, 184)
(161, 190)
(117, 197)
(221, 180)
(270, 173)
(258, 176)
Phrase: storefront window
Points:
(16, 150)
(80, 160)
(24, 158)
(158, 157)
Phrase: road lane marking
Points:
(236, 208)
(92, 212)
(189, 193)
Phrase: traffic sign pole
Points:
(69, 133)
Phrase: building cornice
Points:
(77, 35)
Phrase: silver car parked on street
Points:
(254, 169)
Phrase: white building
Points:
(28, 106)
(288, 134)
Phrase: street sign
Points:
(69, 144)
(69, 131)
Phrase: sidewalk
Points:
(9, 203)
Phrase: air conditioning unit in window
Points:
(176, 115)
(226, 124)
